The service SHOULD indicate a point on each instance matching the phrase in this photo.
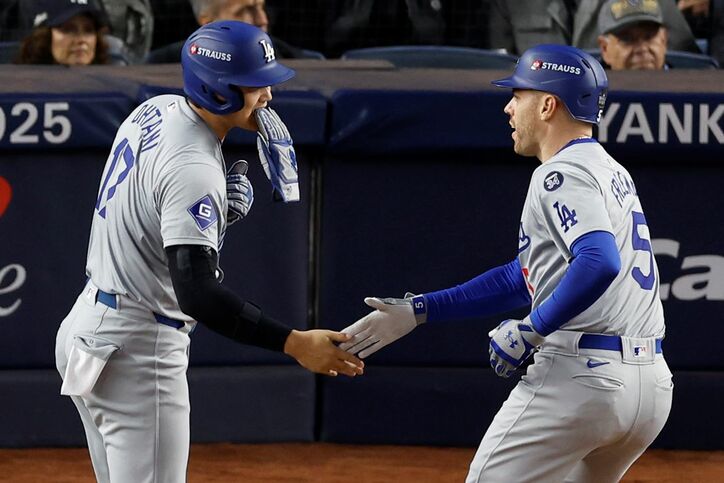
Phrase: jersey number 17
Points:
(117, 173)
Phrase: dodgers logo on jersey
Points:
(553, 181)
(203, 212)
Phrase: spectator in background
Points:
(9, 13)
(66, 32)
(716, 41)
(373, 23)
(706, 18)
(131, 21)
(518, 25)
(206, 11)
(633, 35)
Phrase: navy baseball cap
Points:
(52, 13)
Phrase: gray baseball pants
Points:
(578, 415)
(136, 413)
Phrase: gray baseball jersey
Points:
(583, 414)
(163, 184)
(580, 190)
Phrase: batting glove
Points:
(277, 155)
(392, 319)
(239, 192)
(512, 342)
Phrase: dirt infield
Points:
(327, 463)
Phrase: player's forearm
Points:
(210, 303)
(595, 265)
(500, 289)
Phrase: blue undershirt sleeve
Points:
(595, 265)
(498, 290)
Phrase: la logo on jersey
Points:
(269, 54)
(203, 212)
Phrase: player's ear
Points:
(548, 103)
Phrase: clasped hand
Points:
(511, 343)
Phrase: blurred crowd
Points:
(624, 34)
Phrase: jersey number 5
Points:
(646, 282)
(116, 175)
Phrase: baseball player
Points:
(158, 224)
(599, 390)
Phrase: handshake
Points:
(391, 319)
(511, 343)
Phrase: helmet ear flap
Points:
(599, 76)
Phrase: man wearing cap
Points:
(633, 35)
(517, 26)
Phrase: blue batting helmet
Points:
(223, 54)
(569, 73)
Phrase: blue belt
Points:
(606, 342)
(109, 300)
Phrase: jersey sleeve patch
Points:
(553, 181)
(203, 212)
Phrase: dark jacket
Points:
(171, 54)
(518, 25)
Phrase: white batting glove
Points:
(239, 192)
(276, 154)
(512, 342)
(392, 319)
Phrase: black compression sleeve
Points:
(201, 296)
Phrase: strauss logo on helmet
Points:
(212, 54)
(540, 65)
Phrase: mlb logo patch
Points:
(203, 212)
(639, 351)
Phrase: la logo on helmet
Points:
(268, 50)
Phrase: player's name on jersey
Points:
(149, 119)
